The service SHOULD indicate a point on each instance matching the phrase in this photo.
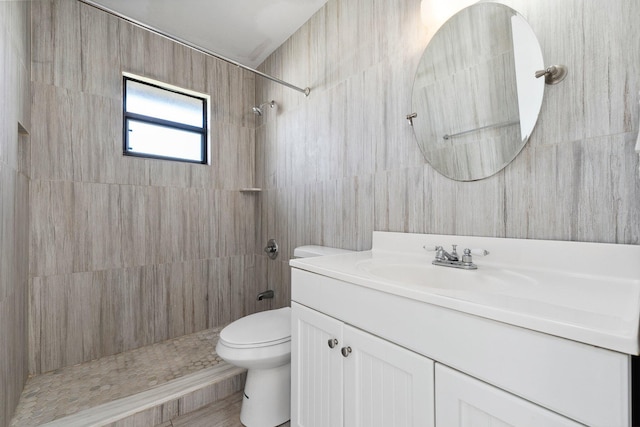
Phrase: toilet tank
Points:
(309, 251)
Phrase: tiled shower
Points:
(102, 253)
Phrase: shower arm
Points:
(306, 90)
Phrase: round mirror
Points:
(475, 94)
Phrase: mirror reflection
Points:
(475, 93)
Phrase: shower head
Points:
(258, 111)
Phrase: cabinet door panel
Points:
(316, 369)
(463, 401)
(386, 385)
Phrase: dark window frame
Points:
(127, 116)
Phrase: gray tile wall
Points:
(14, 201)
(125, 252)
(344, 162)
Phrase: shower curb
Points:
(160, 404)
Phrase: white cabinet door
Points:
(386, 385)
(316, 369)
(463, 401)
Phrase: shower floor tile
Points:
(68, 390)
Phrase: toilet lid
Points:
(259, 330)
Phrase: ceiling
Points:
(246, 31)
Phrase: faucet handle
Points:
(479, 252)
(430, 248)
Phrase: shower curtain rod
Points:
(92, 3)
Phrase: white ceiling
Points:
(246, 31)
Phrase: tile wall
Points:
(124, 251)
(14, 201)
(344, 162)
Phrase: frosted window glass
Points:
(155, 140)
(163, 104)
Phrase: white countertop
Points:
(585, 292)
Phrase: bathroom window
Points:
(164, 122)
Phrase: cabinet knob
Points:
(346, 351)
(333, 342)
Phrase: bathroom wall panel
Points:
(13, 354)
(7, 235)
(465, 210)
(219, 304)
(217, 78)
(200, 229)
(139, 238)
(180, 296)
(231, 90)
(317, 144)
(96, 213)
(317, 52)
(403, 208)
(234, 152)
(176, 174)
(158, 58)
(128, 301)
(14, 201)
(8, 363)
(10, 69)
(606, 213)
(359, 153)
(93, 305)
(82, 139)
(188, 68)
(562, 117)
(259, 284)
(261, 174)
(131, 46)
(575, 180)
(100, 50)
(357, 213)
(82, 316)
(234, 284)
(58, 105)
(237, 216)
(97, 147)
(612, 34)
(51, 227)
(57, 43)
(132, 211)
(279, 279)
(332, 213)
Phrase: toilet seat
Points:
(262, 329)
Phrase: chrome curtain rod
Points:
(92, 3)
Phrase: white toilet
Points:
(261, 343)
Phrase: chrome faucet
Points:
(446, 259)
(442, 255)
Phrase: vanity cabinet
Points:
(463, 401)
(342, 376)
(409, 357)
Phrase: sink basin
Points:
(486, 279)
(530, 292)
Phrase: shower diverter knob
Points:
(272, 249)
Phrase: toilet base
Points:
(267, 397)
